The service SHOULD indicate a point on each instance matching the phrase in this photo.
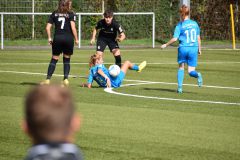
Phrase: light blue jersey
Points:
(94, 75)
(187, 33)
(101, 81)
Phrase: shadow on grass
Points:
(29, 83)
(164, 90)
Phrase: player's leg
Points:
(128, 65)
(68, 46)
(101, 45)
(114, 48)
(182, 56)
(180, 77)
(56, 51)
(192, 63)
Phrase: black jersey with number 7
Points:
(62, 22)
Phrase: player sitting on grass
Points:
(100, 73)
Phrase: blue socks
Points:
(194, 74)
(135, 67)
(51, 68)
(180, 77)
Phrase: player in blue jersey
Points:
(99, 73)
(188, 33)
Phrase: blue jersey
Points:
(187, 33)
(94, 75)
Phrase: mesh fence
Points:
(213, 17)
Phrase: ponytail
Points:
(184, 11)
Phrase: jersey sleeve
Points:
(119, 28)
(99, 25)
(72, 17)
(177, 32)
(51, 18)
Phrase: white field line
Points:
(139, 81)
(153, 63)
(169, 83)
(32, 73)
(110, 90)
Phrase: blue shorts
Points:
(188, 55)
(117, 81)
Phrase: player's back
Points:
(62, 22)
(188, 33)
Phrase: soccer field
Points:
(145, 119)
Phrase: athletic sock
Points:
(135, 67)
(51, 67)
(194, 74)
(118, 60)
(66, 67)
(180, 77)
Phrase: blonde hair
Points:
(93, 59)
(184, 11)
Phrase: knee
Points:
(116, 52)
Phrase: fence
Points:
(79, 22)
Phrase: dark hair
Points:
(64, 6)
(184, 11)
(48, 113)
(108, 13)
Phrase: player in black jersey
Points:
(63, 42)
(50, 121)
(109, 35)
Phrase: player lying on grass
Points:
(188, 33)
(99, 73)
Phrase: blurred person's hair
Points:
(48, 113)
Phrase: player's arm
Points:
(199, 46)
(106, 77)
(121, 37)
(174, 39)
(121, 34)
(169, 42)
(48, 29)
(93, 36)
(90, 81)
(74, 30)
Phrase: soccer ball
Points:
(114, 70)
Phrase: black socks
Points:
(51, 67)
(66, 67)
(118, 60)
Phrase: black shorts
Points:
(62, 43)
(103, 42)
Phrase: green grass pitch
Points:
(157, 125)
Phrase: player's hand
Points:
(76, 42)
(50, 41)
(86, 85)
(163, 46)
(199, 52)
(119, 39)
(92, 41)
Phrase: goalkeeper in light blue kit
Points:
(188, 33)
(99, 73)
